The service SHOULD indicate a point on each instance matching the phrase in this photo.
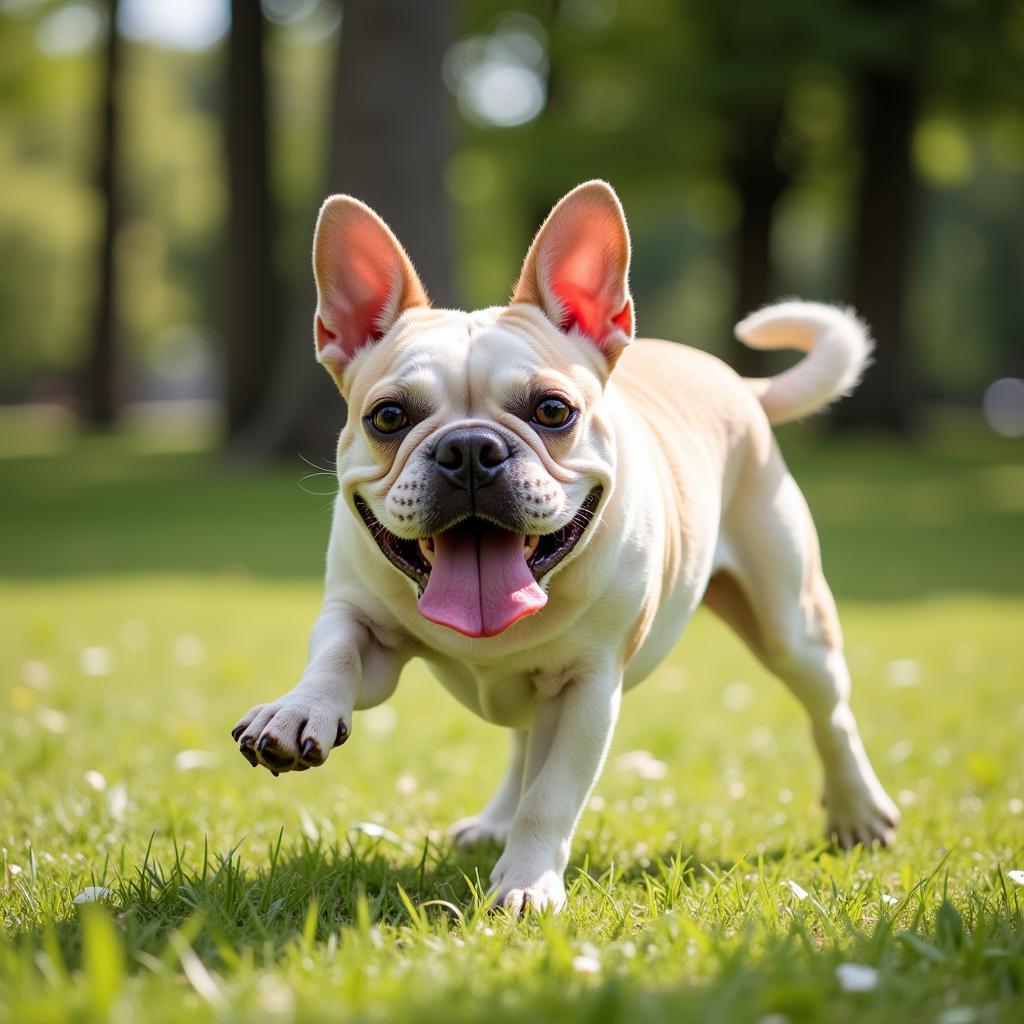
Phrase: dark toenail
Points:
(275, 774)
(311, 753)
(273, 758)
(237, 731)
(262, 743)
(248, 755)
(342, 734)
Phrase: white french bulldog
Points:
(535, 504)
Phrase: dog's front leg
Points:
(567, 744)
(347, 668)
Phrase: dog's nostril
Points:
(449, 456)
(490, 455)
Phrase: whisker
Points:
(331, 468)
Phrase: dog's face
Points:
(476, 454)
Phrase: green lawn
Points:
(147, 599)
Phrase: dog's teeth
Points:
(427, 549)
(530, 545)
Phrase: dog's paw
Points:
(289, 735)
(860, 814)
(477, 830)
(520, 883)
(519, 893)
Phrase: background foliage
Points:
(738, 135)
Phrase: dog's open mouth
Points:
(478, 578)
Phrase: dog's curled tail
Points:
(838, 349)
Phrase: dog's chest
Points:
(501, 696)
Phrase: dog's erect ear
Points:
(364, 281)
(577, 270)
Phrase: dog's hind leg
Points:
(773, 593)
(494, 821)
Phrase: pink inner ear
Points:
(364, 282)
(590, 313)
(589, 292)
(364, 285)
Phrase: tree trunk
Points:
(880, 266)
(99, 377)
(389, 142)
(760, 182)
(251, 311)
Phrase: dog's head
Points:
(477, 453)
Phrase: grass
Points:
(147, 599)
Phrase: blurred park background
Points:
(162, 162)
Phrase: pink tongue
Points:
(480, 583)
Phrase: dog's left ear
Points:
(364, 281)
(577, 270)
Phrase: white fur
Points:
(838, 349)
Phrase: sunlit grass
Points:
(700, 886)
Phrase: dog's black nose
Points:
(471, 457)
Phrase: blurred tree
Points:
(887, 84)
(759, 182)
(252, 294)
(99, 379)
(389, 143)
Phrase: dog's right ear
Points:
(364, 281)
(577, 269)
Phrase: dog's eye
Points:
(388, 418)
(553, 412)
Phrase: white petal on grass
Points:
(195, 971)
(92, 894)
(95, 780)
(889, 900)
(856, 977)
(15, 869)
(737, 696)
(958, 1015)
(52, 720)
(308, 825)
(96, 661)
(642, 763)
(903, 672)
(586, 965)
(900, 751)
(35, 674)
(117, 801)
(380, 721)
(406, 784)
(275, 998)
(189, 760)
(188, 651)
(1016, 876)
(796, 889)
(371, 828)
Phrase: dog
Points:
(535, 503)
